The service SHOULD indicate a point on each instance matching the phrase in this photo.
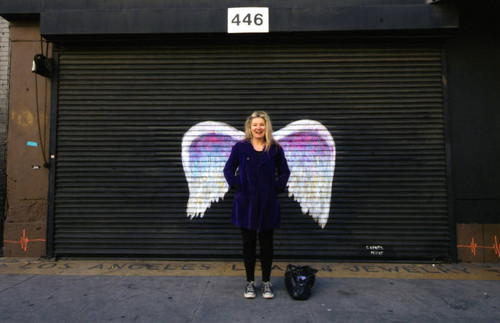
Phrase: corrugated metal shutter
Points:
(120, 188)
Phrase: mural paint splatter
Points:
(309, 149)
(473, 246)
(24, 241)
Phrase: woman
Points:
(257, 170)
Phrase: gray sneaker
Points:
(250, 290)
(267, 290)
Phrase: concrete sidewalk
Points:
(128, 297)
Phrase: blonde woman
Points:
(257, 170)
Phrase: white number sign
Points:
(248, 20)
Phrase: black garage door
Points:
(121, 182)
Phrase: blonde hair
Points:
(268, 138)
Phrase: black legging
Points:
(249, 252)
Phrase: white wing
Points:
(206, 147)
(310, 152)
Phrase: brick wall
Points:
(4, 99)
(4, 68)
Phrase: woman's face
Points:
(258, 128)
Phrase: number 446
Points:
(257, 19)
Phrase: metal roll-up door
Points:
(120, 187)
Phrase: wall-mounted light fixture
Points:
(42, 65)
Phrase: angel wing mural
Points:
(309, 149)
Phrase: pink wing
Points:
(310, 152)
(205, 149)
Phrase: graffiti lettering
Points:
(327, 268)
(412, 269)
(370, 269)
(354, 269)
(452, 269)
(49, 265)
(235, 267)
(9, 260)
(276, 267)
(429, 271)
(390, 269)
(376, 250)
(444, 271)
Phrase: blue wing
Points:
(205, 149)
(310, 152)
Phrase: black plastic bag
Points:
(299, 280)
